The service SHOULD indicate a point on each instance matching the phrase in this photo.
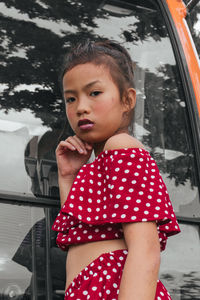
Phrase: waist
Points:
(79, 256)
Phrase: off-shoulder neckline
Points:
(119, 150)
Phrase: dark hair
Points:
(103, 52)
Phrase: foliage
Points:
(33, 41)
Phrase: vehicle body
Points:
(160, 36)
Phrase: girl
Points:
(117, 215)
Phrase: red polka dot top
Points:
(122, 185)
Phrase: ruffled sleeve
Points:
(136, 190)
(120, 186)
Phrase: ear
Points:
(129, 99)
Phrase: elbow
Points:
(157, 261)
(154, 260)
(151, 258)
(153, 254)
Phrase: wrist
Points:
(66, 177)
(65, 182)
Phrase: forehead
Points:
(85, 72)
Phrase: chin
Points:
(92, 139)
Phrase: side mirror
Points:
(191, 5)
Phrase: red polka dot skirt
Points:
(101, 279)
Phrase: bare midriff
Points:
(79, 256)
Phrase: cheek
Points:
(113, 107)
(100, 109)
(106, 106)
(69, 114)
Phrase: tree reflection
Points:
(166, 122)
(193, 18)
(147, 25)
(31, 53)
(185, 286)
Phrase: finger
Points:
(79, 141)
(86, 145)
(64, 145)
(82, 144)
(77, 144)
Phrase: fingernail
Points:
(89, 146)
(81, 150)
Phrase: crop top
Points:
(122, 185)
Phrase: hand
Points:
(71, 154)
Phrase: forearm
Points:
(65, 183)
(140, 274)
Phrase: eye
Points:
(69, 100)
(95, 93)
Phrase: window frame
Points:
(192, 110)
(191, 105)
(46, 202)
(186, 80)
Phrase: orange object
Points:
(178, 12)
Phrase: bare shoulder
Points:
(122, 140)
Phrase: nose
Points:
(83, 106)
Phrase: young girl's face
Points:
(93, 105)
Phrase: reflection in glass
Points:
(32, 116)
(182, 275)
(32, 112)
(193, 20)
(24, 246)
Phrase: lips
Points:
(84, 122)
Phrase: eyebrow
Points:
(85, 87)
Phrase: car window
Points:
(193, 21)
(32, 121)
(25, 252)
(180, 264)
(32, 111)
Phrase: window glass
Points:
(33, 39)
(180, 267)
(193, 20)
(29, 257)
(32, 112)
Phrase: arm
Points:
(140, 274)
(65, 183)
(139, 278)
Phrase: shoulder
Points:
(122, 140)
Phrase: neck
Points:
(100, 147)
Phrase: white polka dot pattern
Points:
(101, 279)
(122, 185)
